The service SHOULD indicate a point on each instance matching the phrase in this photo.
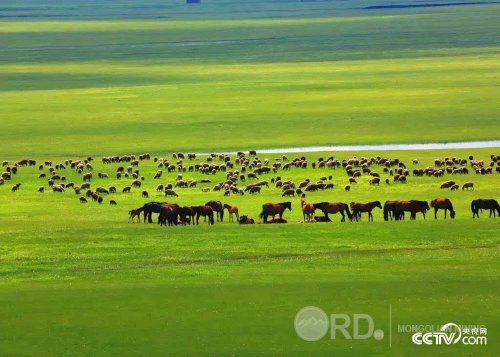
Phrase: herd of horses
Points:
(174, 214)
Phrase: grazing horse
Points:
(205, 211)
(233, 210)
(273, 209)
(218, 208)
(168, 215)
(358, 208)
(338, 207)
(412, 206)
(442, 203)
(150, 208)
(389, 210)
(481, 204)
(186, 215)
(307, 209)
(133, 213)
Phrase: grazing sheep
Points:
(447, 184)
(83, 200)
(15, 187)
(171, 193)
(145, 194)
(126, 189)
(347, 188)
(136, 183)
(468, 186)
(99, 199)
(112, 202)
(58, 188)
(102, 190)
(87, 176)
(41, 189)
(454, 187)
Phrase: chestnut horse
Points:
(205, 211)
(358, 208)
(273, 209)
(233, 210)
(481, 204)
(131, 214)
(168, 215)
(307, 209)
(335, 207)
(412, 206)
(442, 203)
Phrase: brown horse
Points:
(442, 203)
(481, 204)
(205, 211)
(218, 208)
(357, 208)
(168, 215)
(132, 213)
(307, 209)
(186, 215)
(412, 206)
(273, 209)
(233, 210)
(246, 220)
(336, 207)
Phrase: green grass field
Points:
(80, 279)
(287, 74)
(116, 77)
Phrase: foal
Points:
(233, 210)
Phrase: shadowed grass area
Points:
(139, 84)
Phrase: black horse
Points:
(150, 208)
(481, 204)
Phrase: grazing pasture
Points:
(85, 267)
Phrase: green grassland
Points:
(337, 74)
(96, 78)
(80, 279)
